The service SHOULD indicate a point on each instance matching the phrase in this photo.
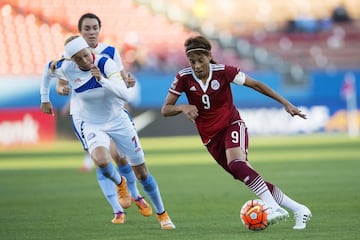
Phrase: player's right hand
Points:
(95, 71)
(65, 91)
(46, 108)
(191, 112)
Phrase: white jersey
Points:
(101, 117)
(102, 49)
(108, 51)
(47, 77)
(95, 99)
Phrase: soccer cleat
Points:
(165, 221)
(143, 206)
(85, 169)
(123, 194)
(301, 217)
(277, 215)
(119, 218)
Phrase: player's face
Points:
(200, 64)
(83, 59)
(90, 31)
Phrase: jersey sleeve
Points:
(46, 79)
(107, 66)
(45, 84)
(239, 78)
(112, 79)
(176, 86)
(231, 74)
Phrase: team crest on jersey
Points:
(90, 136)
(215, 85)
(78, 80)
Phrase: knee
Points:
(141, 172)
(100, 156)
(121, 161)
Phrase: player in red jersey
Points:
(207, 88)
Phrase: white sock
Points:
(88, 162)
(269, 200)
(290, 203)
(261, 190)
(283, 200)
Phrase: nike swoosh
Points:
(254, 208)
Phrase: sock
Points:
(110, 172)
(109, 190)
(129, 174)
(88, 162)
(282, 199)
(152, 191)
(242, 171)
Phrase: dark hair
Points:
(198, 42)
(88, 15)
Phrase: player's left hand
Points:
(293, 111)
(95, 71)
(130, 81)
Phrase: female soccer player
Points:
(89, 26)
(96, 83)
(207, 87)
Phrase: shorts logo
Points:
(215, 84)
(90, 136)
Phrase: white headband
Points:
(197, 49)
(74, 46)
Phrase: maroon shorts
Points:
(235, 135)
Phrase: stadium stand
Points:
(34, 32)
(150, 33)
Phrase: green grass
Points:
(43, 196)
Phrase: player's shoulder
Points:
(106, 49)
(223, 69)
(218, 66)
(185, 72)
(100, 60)
(65, 64)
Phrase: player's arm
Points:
(128, 78)
(62, 87)
(170, 108)
(264, 89)
(114, 82)
(46, 106)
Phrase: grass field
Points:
(43, 195)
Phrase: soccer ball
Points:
(253, 215)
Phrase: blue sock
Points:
(152, 191)
(110, 172)
(129, 174)
(109, 190)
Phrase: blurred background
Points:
(308, 51)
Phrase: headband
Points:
(196, 49)
(75, 46)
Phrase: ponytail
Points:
(54, 63)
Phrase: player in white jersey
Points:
(95, 81)
(89, 26)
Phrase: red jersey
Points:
(213, 99)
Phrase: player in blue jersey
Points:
(89, 26)
(97, 85)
